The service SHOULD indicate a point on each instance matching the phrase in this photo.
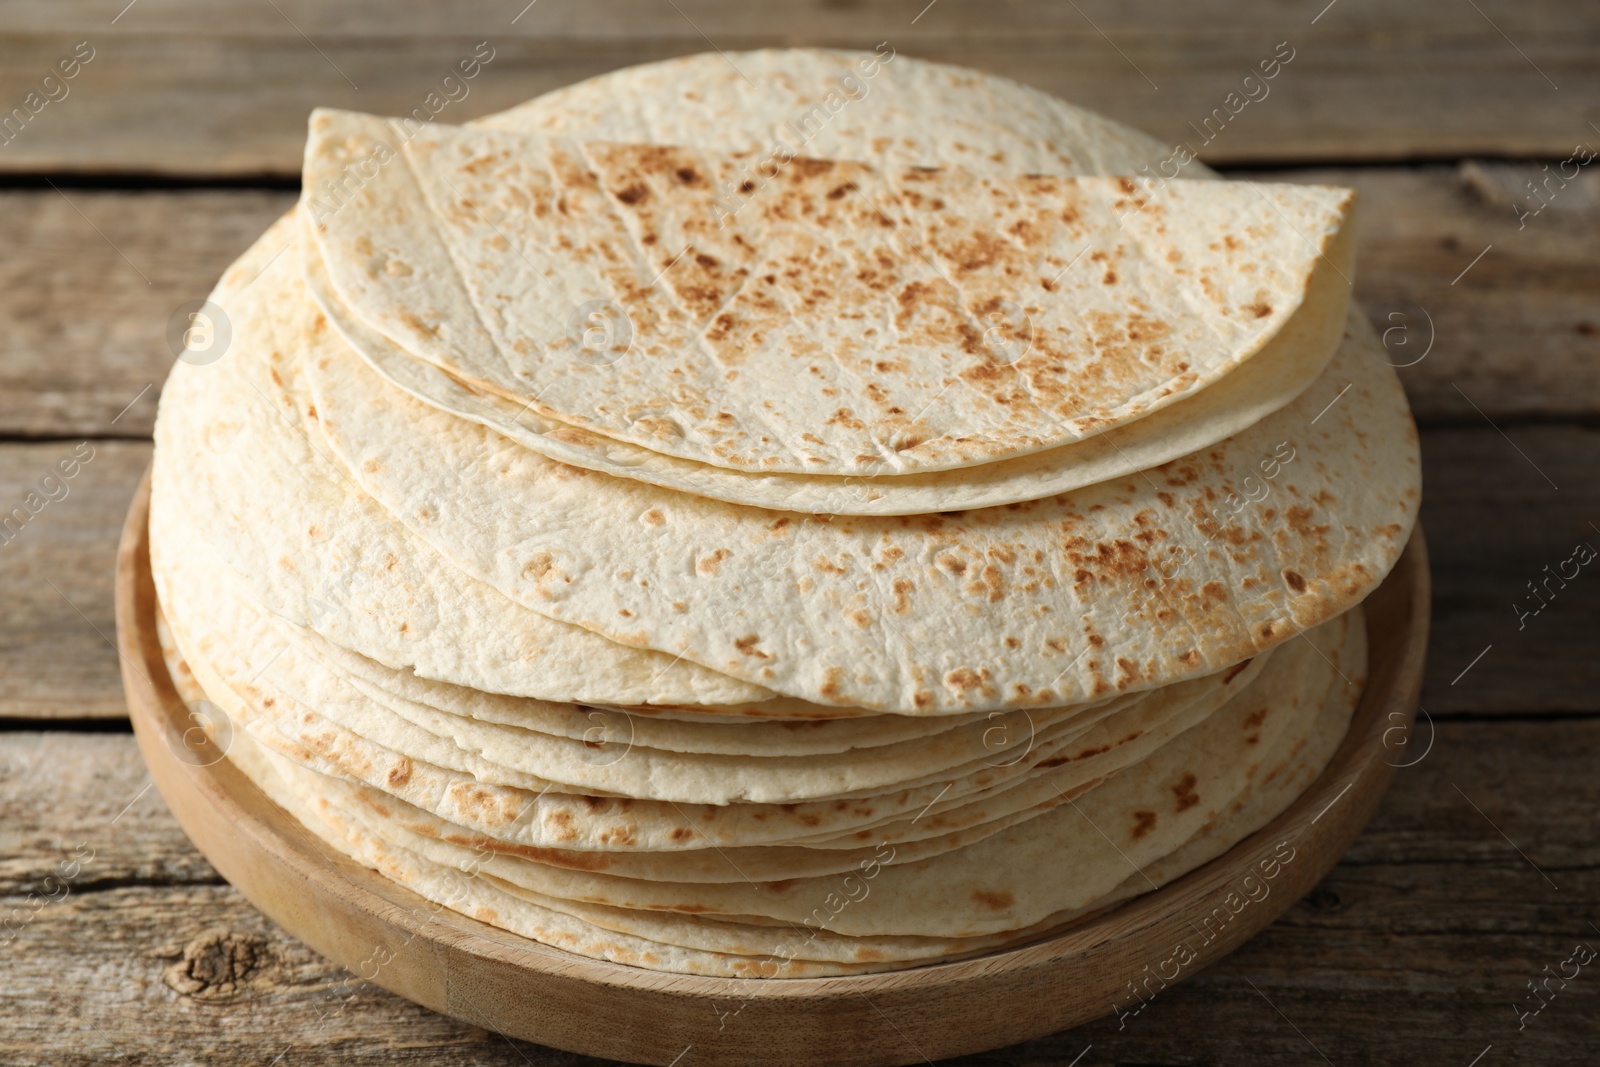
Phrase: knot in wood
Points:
(218, 965)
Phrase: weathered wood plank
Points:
(1518, 334)
(69, 794)
(87, 288)
(182, 87)
(1494, 523)
(1434, 923)
(196, 975)
(57, 659)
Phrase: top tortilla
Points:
(849, 105)
(848, 320)
(1283, 369)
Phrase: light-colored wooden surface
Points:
(58, 657)
(473, 971)
(1413, 950)
(186, 87)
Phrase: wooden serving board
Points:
(452, 964)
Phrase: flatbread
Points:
(852, 105)
(305, 795)
(425, 698)
(235, 468)
(459, 784)
(668, 730)
(534, 760)
(1175, 569)
(866, 293)
(1268, 784)
(1286, 365)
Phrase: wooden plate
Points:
(450, 963)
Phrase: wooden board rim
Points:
(456, 965)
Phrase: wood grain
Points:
(1500, 523)
(87, 288)
(57, 657)
(1433, 924)
(1518, 335)
(1516, 332)
(476, 972)
(184, 87)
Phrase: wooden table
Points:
(178, 141)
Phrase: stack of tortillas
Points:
(790, 513)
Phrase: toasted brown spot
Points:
(1184, 791)
(963, 678)
(809, 167)
(747, 645)
(902, 600)
(994, 900)
(417, 325)
(400, 773)
(708, 565)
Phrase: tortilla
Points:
(305, 795)
(527, 759)
(236, 469)
(1123, 586)
(652, 727)
(869, 294)
(1286, 365)
(349, 738)
(1295, 758)
(594, 685)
